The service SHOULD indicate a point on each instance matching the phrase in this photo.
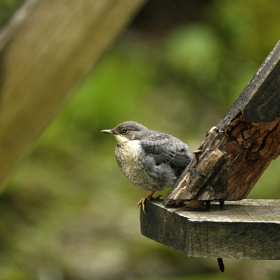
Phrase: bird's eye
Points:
(124, 131)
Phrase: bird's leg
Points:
(149, 197)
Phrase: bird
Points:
(151, 160)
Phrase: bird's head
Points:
(127, 131)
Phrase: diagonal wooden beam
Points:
(260, 99)
(237, 151)
(46, 49)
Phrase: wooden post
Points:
(226, 167)
(237, 151)
(45, 50)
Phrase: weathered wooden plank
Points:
(260, 99)
(247, 229)
(45, 50)
(236, 152)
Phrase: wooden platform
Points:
(247, 229)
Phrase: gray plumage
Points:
(151, 160)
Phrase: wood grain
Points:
(238, 150)
(247, 229)
(46, 49)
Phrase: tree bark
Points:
(237, 151)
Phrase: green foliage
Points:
(195, 50)
(7, 8)
(118, 89)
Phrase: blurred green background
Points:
(68, 212)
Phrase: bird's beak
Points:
(107, 131)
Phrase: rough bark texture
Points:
(45, 51)
(253, 146)
(236, 152)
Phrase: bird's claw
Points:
(143, 200)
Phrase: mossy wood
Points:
(247, 229)
(237, 151)
(45, 50)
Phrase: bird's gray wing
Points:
(167, 149)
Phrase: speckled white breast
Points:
(128, 157)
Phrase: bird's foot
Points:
(143, 200)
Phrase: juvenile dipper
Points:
(151, 160)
